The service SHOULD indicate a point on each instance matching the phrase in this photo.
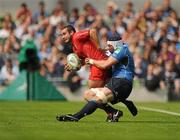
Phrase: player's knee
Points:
(99, 96)
(93, 98)
(85, 96)
(88, 95)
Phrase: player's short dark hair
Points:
(69, 28)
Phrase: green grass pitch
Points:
(36, 121)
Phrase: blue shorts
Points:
(120, 87)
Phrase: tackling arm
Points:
(102, 64)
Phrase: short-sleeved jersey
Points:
(125, 66)
(84, 47)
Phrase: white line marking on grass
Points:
(156, 110)
(159, 110)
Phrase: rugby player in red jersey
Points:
(86, 45)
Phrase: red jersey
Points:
(84, 47)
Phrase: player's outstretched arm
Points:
(102, 64)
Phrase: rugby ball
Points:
(74, 61)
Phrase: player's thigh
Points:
(101, 95)
(108, 93)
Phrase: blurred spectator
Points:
(58, 15)
(165, 53)
(148, 9)
(109, 16)
(81, 23)
(160, 36)
(129, 12)
(12, 45)
(55, 18)
(167, 8)
(9, 21)
(23, 11)
(24, 17)
(74, 81)
(170, 79)
(54, 56)
(119, 24)
(152, 78)
(29, 35)
(139, 72)
(54, 69)
(24, 20)
(98, 22)
(41, 13)
(44, 52)
(74, 15)
(8, 72)
(4, 31)
(149, 54)
(90, 13)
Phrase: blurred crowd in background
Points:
(153, 35)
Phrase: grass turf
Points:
(36, 120)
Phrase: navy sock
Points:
(107, 108)
(88, 109)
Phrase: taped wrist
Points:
(91, 61)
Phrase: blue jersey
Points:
(125, 66)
